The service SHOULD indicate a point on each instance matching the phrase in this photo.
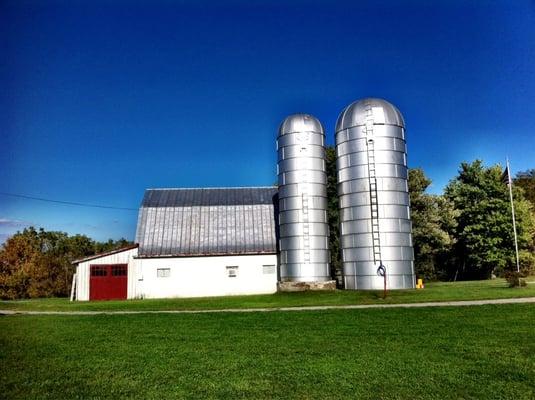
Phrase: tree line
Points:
(464, 233)
(37, 263)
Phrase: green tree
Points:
(432, 219)
(38, 263)
(101, 247)
(484, 235)
(526, 180)
(333, 215)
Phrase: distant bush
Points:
(514, 279)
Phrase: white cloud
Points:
(13, 223)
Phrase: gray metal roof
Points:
(300, 123)
(214, 221)
(356, 114)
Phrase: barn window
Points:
(268, 269)
(232, 271)
(163, 272)
(118, 270)
(99, 270)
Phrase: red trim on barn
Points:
(108, 281)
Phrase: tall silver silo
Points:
(304, 232)
(375, 225)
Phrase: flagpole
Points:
(510, 184)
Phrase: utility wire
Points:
(70, 203)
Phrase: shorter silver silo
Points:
(304, 232)
(375, 226)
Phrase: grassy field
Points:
(440, 353)
(439, 291)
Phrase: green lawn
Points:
(440, 291)
(480, 352)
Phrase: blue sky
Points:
(101, 100)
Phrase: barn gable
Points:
(215, 221)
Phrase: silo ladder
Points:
(372, 179)
(306, 229)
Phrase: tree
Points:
(17, 257)
(101, 247)
(333, 215)
(432, 218)
(37, 263)
(484, 235)
(526, 180)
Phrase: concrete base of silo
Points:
(306, 286)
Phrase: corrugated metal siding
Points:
(207, 221)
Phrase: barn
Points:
(190, 243)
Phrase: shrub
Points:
(514, 279)
(527, 262)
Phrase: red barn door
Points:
(108, 281)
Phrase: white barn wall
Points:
(206, 276)
(122, 257)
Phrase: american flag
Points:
(506, 176)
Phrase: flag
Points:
(506, 178)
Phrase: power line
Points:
(70, 203)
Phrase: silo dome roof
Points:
(355, 114)
(300, 123)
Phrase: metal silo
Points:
(375, 226)
(304, 233)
